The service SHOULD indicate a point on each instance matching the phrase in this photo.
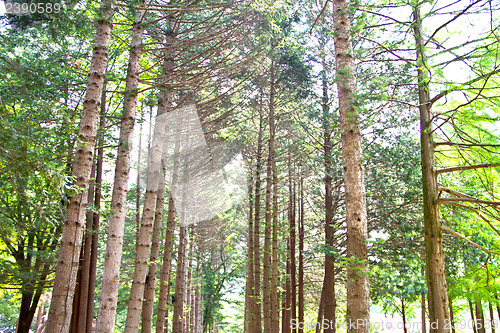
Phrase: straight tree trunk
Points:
(180, 277)
(321, 308)
(188, 278)
(403, 315)
(149, 208)
(198, 310)
(480, 317)
(161, 324)
(162, 312)
(180, 283)
(287, 297)
(275, 314)
(95, 217)
(138, 183)
(76, 299)
(67, 265)
(358, 299)
(149, 290)
(81, 324)
(492, 318)
(301, 255)
(498, 307)
(451, 315)
(439, 316)
(250, 276)
(266, 278)
(116, 225)
(257, 312)
(422, 305)
(293, 264)
(471, 309)
(329, 307)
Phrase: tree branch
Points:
(468, 240)
(442, 201)
(479, 78)
(467, 167)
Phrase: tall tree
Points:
(67, 267)
(358, 300)
(109, 289)
(434, 252)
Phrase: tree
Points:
(67, 267)
(109, 293)
(358, 310)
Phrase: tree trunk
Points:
(138, 183)
(83, 282)
(250, 276)
(439, 316)
(257, 312)
(162, 312)
(189, 286)
(293, 264)
(149, 208)
(403, 315)
(275, 314)
(301, 255)
(116, 225)
(198, 310)
(422, 304)
(452, 320)
(266, 278)
(161, 325)
(180, 283)
(29, 303)
(492, 318)
(149, 290)
(358, 305)
(321, 308)
(78, 287)
(67, 265)
(480, 317)
(95, 217)
(329, 308)
(471, 309)
(287, 315)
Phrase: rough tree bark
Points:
(256, 317)
(161, 325)
(471, 309)
(112, 262)
(180, 283)
(149, 290)
(67, 265)
(435, 266)
(480, 317)
(328, 296)
(95, 218)
(358, 300)
(275, 316)
(249, 281)
(161, 318)
(152, 182)
(301, 254)
(266, 278)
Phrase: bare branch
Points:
(442, 201)
(468, 240)
(467, 167)
(479, 78)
